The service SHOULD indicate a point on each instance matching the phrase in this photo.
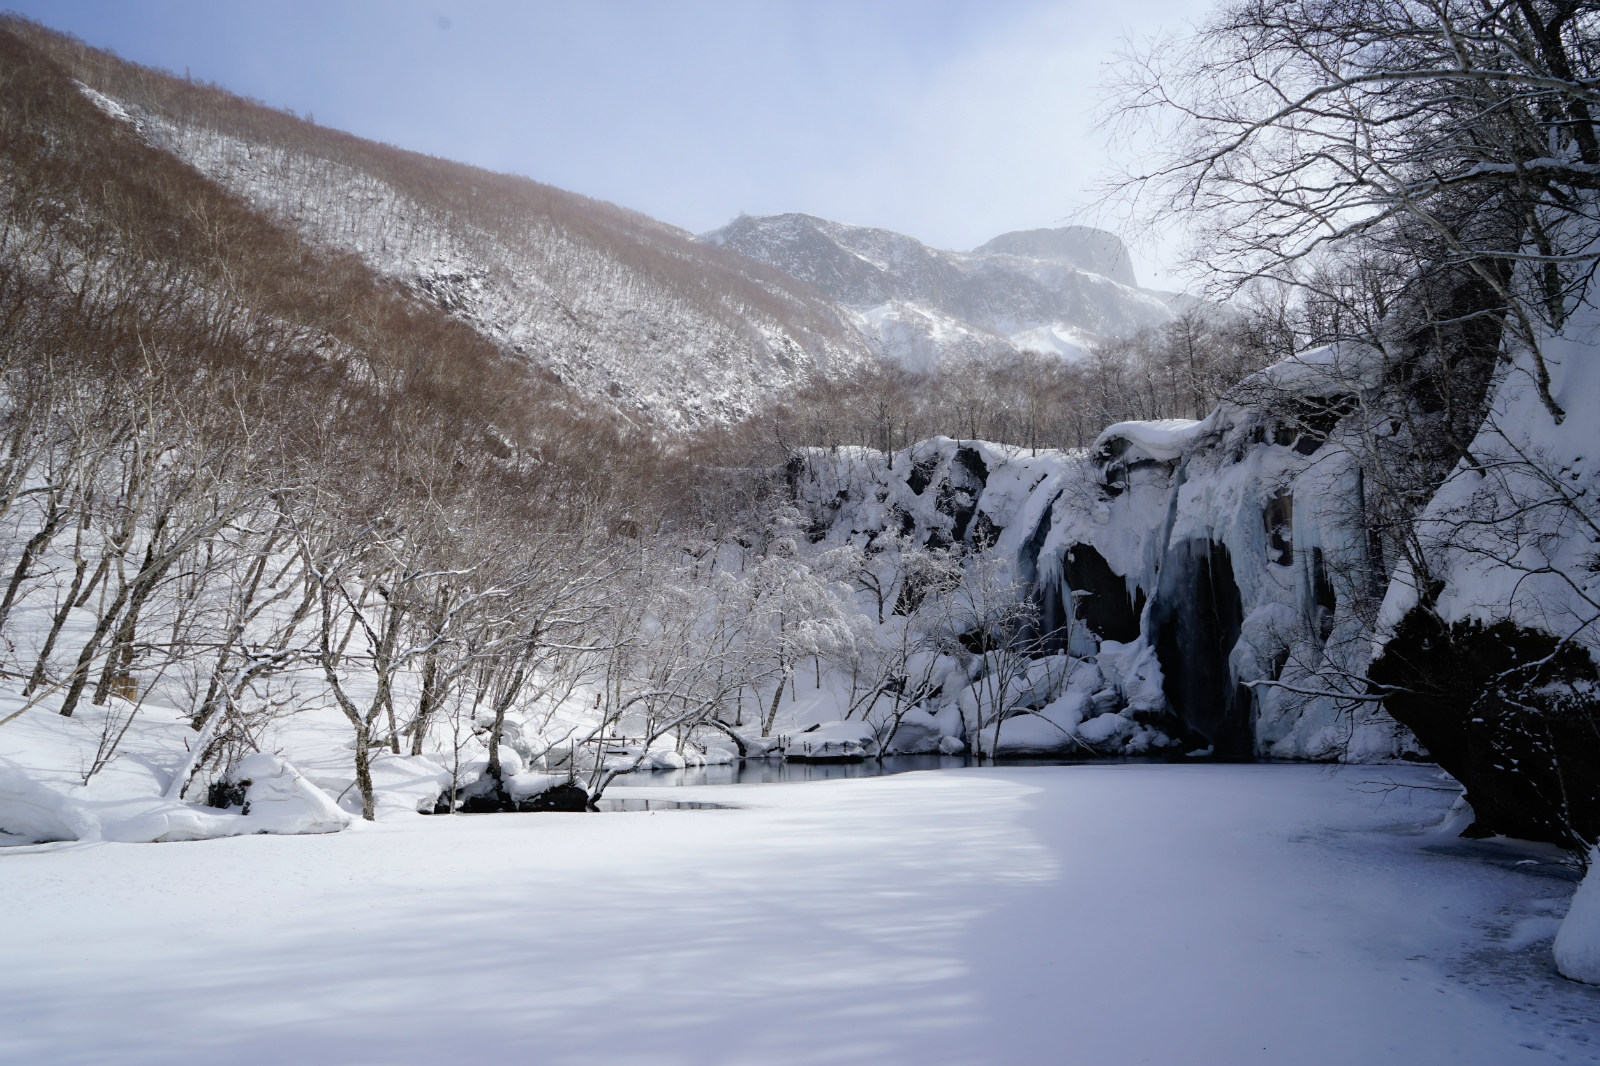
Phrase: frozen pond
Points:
(979, 917)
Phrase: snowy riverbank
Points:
(1102, 914)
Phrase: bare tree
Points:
(1457, 134)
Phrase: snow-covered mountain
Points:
(1049, 290)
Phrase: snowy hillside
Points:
(1054, 291)
(626, 310)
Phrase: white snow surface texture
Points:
(1106, 915)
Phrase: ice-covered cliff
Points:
(1218, 572)
(1487, 636)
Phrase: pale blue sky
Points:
(952, 122)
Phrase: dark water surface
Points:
(607, 805)
(776, 771)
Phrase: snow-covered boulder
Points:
(1135, 672)
(28, 809)
(664, 759)
(526, 786)
(278, 799)
(917, 733)
(405, 783)
(401, 784)
(41, 809)
(546, 792)
(1102, 731)
(761, 747)
(843, 740)
(1032, 734)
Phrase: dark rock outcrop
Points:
(1100, 596)
(564, 797)
(568, 796)
(1195, 619)
(1511, 713)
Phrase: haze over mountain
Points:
(1049, 290)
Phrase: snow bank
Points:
(1577, 947)
(279, 800)
(51, 788)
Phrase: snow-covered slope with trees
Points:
(624, 309)
(1056, 291)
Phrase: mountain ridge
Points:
(1052, 290)
(669, 330)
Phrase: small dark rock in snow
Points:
(567, 797)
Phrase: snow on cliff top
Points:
(1162, 438)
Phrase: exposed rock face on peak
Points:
(1084, 247)
(1043, 290)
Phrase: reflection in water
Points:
(776, 771)
(607, 805)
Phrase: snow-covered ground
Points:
(1100, 914)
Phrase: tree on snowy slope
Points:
(798, 615)
(195, 404)
(909, 652)
(634, 314)
(1031, 399)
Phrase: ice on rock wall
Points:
(1191, 561)
(1492, 651)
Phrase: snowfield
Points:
(1094, 914)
